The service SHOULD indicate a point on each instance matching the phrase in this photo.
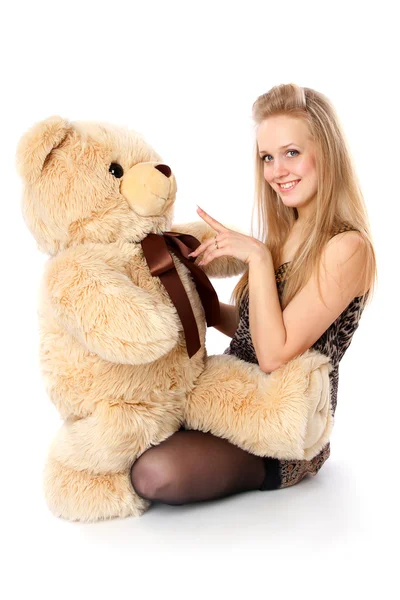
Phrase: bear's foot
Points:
(87, 497)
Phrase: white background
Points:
(186, 75)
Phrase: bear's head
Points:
(92, 182)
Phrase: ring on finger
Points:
(215, 241)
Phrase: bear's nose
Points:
(164, 169)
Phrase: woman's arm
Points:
(229, 319)
(267, 326)
(280, 336)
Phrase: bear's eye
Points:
(116, 170)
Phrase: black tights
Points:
(192, 466)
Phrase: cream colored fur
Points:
(112, 349)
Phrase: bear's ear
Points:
(37, 143)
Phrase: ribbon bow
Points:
(156, 249)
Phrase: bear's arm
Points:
(107, 313)
(223, 266)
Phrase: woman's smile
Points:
(288, 186)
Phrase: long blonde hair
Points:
(339, 200)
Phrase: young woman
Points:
(306, 285)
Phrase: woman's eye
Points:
(116, 170)
(265, 155)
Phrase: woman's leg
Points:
(191, 466)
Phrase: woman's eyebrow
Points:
(282, 147)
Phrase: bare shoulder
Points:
(347, 238)
(344, 257)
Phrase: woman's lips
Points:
(286, 190)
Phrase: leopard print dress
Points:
(333, 343)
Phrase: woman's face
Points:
(296, 162)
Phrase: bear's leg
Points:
(87, 497)
(273, 415)
(87, 475)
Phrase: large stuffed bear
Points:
(123, 322)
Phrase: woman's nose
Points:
(280, 169)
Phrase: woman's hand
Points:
(230, 243)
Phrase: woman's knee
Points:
(151, 475)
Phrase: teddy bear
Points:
(123, 360)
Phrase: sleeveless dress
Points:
(333, 343)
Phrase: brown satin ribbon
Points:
(156, 249)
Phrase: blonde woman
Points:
(306, 286)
